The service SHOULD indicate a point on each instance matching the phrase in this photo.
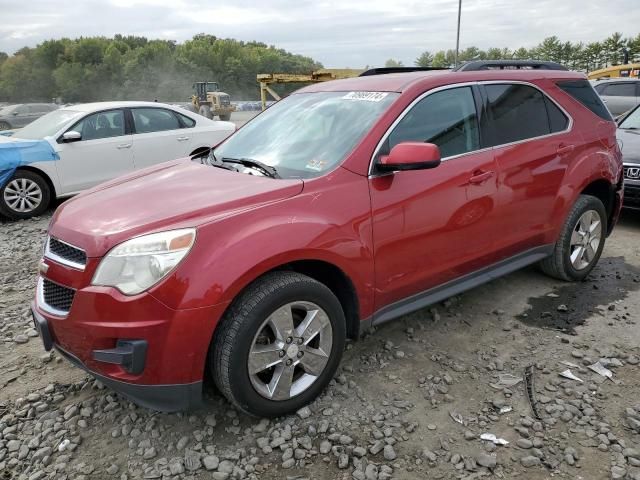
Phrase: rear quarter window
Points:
(583, 92)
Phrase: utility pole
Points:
(458, 36)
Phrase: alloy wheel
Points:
(22, 195)
(585, 239)
(290, 350)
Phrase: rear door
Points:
(103, 152)
(432, 226)
(620, 97)
(533, 146)
(159, 136)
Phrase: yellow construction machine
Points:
(267, 79)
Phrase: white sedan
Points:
(80, 146)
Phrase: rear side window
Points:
(558, 121)
(147, 120)
(447, 118)
(516, 112)
(583, 92)
(187, 121)
(627, 89)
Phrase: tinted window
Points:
(627, 89)
(187, 121)
(447, 119)
(557, 120)
(148, 120)
(101, 125)
(584, 93)
(516, 112)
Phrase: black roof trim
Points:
(509, 64)
(386, 70)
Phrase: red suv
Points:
(347, 204)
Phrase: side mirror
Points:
(71, 136)
(410, 156)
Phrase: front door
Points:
(103, 152)
(432, 226)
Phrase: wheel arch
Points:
(44, 175)
(325, 272)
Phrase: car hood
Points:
(630, 145)
(170, 195)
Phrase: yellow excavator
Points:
(209, 101)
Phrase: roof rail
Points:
(508, 65)
(386, 70)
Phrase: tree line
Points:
(580, 56)
(132, 67)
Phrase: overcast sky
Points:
(347, 33)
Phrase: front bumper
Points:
(164, 398)
(631, 196)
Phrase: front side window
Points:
(307, 134)
(101, 125)
(147, 120)
(447, 119)
(627, 89)
(515, 112)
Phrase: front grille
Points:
(632, 172)
(225, 100)
(66, 253)
(631, 196)
(56, 296)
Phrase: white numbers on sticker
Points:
(365, 96)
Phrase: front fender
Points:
(315, 225)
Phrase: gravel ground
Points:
(410, 399)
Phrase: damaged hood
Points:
(171, 195)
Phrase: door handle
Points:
(182, 139)
(480, 177)
(562, 149)
(124, 145)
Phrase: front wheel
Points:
(25, 195)
(278, 345)
(225, 117)
(581, 241)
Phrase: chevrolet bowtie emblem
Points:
(43, 267)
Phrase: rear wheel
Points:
(25, 195)
(581, 241)
(5, 126)
(278, 345)
(205, 111)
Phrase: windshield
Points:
(47, 125)
(7, 110)
(632, 121)
(307, 134)
(212, 87)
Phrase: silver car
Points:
(17, 116)
(619, 94)
(629, 139)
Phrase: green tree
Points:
(391, 63)
(424, 60)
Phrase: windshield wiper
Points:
(630, 128)
(212, 161)
(248, 162)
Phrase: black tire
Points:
(559, 265)
(5, 126)
(226, 117)
(9, 212)
(232, 340)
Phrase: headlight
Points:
(138, 264)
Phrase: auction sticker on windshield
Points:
(365, 96)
